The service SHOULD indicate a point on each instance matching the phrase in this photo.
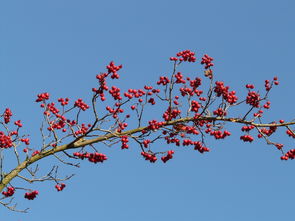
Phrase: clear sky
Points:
(58, 46)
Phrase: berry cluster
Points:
(267, 105)
(5, 141)
(219, 112)
(195, 83)
(151, 157)
(115, 92)
(171, 114)
(253, 99)
(289, 155)
(247, 128)
(268, 132)
(218, 134)
(79, 103)
(31, 195)
(9, 192)
(7, 115)
(83, 129)
(267, 85)
(168, 156)
(146, 143)
(179, 78)
(103, 86)
(60, 187)
(92, 157)
(290, 133)
(163, 81)
(195, 105)
(18, 123)
(185, 55)
(25, 140)
(207, 60)
(222, 90)
(124, 140)
(186, 91)
(247, 138)
(63, 102)
(200, 147)
(42, 97)
(112, 68)
(155, 125)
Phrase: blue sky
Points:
(59, 47)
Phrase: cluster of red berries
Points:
(63, 102)
(172, 140)
(83, 129)
(247, 128)
(155, 125)
(258, 114)
(279, 146)
(267, 105)
(191, 130)
(218, 134)
(186, 91)
(124, 140)
(207, 60)
(31, 195)
(222, 90)
(267, 132)
(146, 143)
(9, 192)
(250, 86)
(289, 155)
(253, 99)
(112, 68)
(134, 93)
(276, 82)
(58, 125)
(51, 107)
(200, 147)
(25, 140)
(115, 92)
(163, 81)
(267, 85)
(103, 86)
(7, 115)
(195, 83)
(60, 187)
(122, 126)
(168, 156)
(171, 114)
(152, 101)
(179, 78)
(290, 133)
(151, 157)
(247, 138)
(195, 105)
(18, 123)
(220, 112)
(42, 97)
(115, 111)
(185, 55)
(5, 141)
(82, 105)
(92, 157)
